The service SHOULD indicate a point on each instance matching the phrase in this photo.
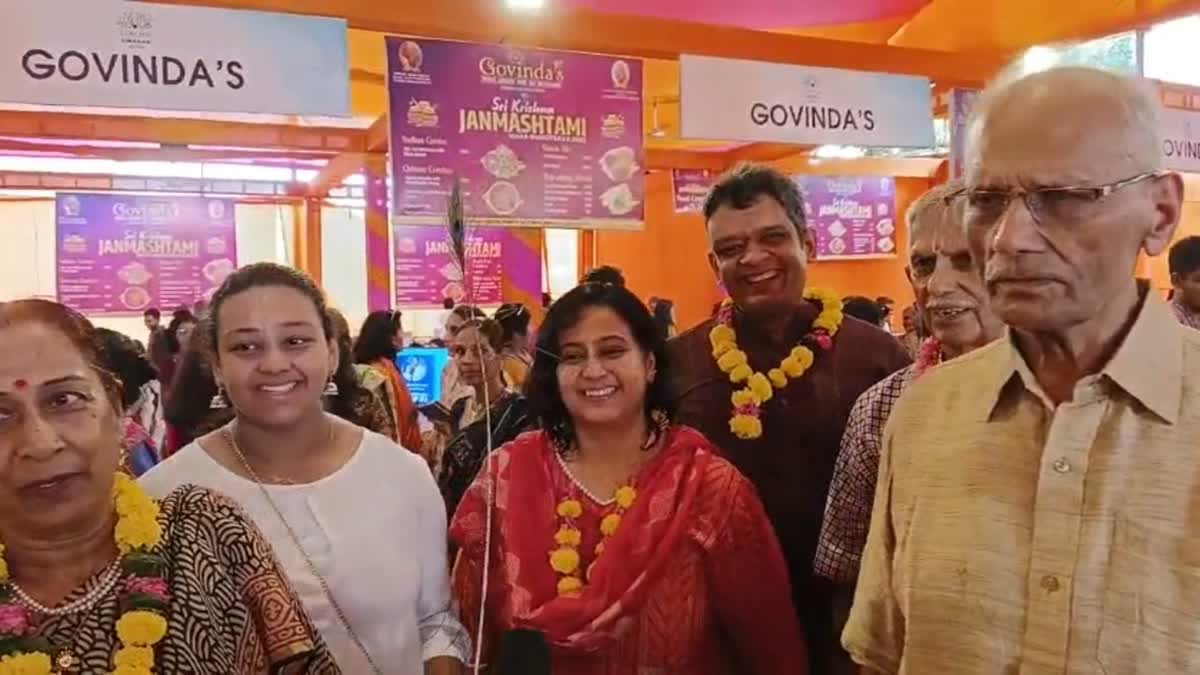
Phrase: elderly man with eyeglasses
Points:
(953, 302)
(1038, 506)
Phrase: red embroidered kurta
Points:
(692, 583)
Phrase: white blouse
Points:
(375, 530)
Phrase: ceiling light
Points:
(839, 152)
(525, 5)
(1037, 59)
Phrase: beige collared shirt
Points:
(1009, 536)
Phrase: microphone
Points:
(523, 652)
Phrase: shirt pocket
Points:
(1150, 620)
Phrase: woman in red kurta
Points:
(672, 569)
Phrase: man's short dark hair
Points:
(605, 274)
(863, 309)
(1184, 257)
(153, 313)
(745, 184)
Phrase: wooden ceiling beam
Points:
(166, 154)
(337, 170)
(180, 131)
(377, 135)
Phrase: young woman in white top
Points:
(356, 521)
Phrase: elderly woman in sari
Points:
(97, 576)
(625, 540)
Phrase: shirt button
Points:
(1061, 465)
(1050, 583)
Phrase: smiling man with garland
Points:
(772, 377)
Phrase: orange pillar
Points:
(309, 241)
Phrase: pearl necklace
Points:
(579, 484)
(108, 579)
(652, 440)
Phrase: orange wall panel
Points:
(668, 259)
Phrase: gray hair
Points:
(1133, 101)
(935, 207)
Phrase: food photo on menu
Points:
(503, 198)
(502, 162)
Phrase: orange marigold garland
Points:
(746, 422)
(565, 558)
(142, 623)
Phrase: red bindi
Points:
(21, 384)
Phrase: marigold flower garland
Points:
(144, 598)
(746, 422)
(928, 356)
(565, 558)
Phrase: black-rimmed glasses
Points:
(1064, 204)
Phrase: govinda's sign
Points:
(728, 99)
(138, 55)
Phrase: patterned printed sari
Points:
(231, 609)
(693, 582)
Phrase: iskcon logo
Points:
(135, 28)
(812, 89)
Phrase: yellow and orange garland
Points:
(565, 558)
(142, 624)
(746, 422)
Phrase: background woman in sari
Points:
(661, 559)
(476, 353)
(380, 338)
(514, 319)
(119, 355)
(366, 408)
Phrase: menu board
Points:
(535, 137)
(121, 254)
(851, 216)
(690, 187)
(426, 273)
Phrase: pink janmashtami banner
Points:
(425, 272)
(121, 254)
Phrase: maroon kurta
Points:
(792, 463)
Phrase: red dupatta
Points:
(523, 587)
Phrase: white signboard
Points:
(1181, 139)
(110, 53)
(726, 99)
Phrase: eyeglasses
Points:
(1068, 204)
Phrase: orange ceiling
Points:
(947, 25)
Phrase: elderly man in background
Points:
(1037, 499)
(951, 297)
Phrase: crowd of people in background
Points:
(1007, 483)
